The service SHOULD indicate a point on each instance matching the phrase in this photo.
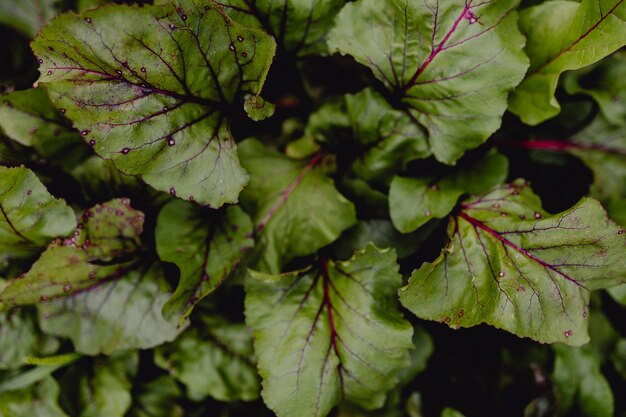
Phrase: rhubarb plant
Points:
(293, 208)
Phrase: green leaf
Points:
(414, 201)
(451, 412)
(602, 147)
(95, 287)
(605, 82)
(37, 400)
(151, 87)
(206, 247)
(28, 16)
(29, 216)
(299, 26)
(214, 359)
(294, 205)
(511, 265)
(20, 337)
(451, 64)
(156, 398)
(389, 136)
(330, 332)
(563, 35)
(29, 118)
(579, 381)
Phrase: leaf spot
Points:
(49, 72)
(447, 319)
(184, 17)
(84, 132)
(43, 298)
(92, 142)
(125, 151)
(143, 69)
(171, 141)
(620, 232)
(172, 26)
(496, 205)
(537, 215)
(67, 288)
(244, 54)
(501, 274)
(434, 187)
(461, 313)
(427, 213)
(40, 61)
(88, 19)
(568, 333)
(62, 111)
(29, 192)
(173, 191)
(231, 47)
(240, 38)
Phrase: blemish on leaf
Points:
(143, 69)
(620, 232)
(461, 313)
(240, 38)
(62, 111)
(447, 319)
(173, 191)
(537, 215)
(172, 26)
(568, 333)
(244, 54)
(171, 141)
(427, 213)
(49, 72)
(67, 288)
(88, 19)
(125, 151)
(40, 61)
(434, 187)
(84, 132)
(501, 274)
(496, 205)
(92, 142)
(231, 47)
(43, 298)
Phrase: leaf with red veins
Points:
(562, 36)
(451, 63)
(96, 287)
(329, 333)
(152, 88)
(207, 246)
(293, 203)
(513, 266)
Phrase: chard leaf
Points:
(330, 332)
(579, 380)
(29, 118)
(563, 35)
(451, 64)
(605, 82)
(29, 216)
(28, 16)
(20, 337)
(95, 288)
(206, 247)
(414, 201)
(151, 89)
(511, 265)
(602, 147)
(294, 205)
(299, 26)
(38, 400)
(214, 359)
(156, 398)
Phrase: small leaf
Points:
(37, 400)
(561, 36)
(295, 206)
(206, 246)
(29, 216)
(299, 26)
(511, 265)
(95, 288)
(150, 88)
(257, 108)
(214, 360)
(579, 380)
(27, 16)
(330, 332)
(414, 201)
(452, 64)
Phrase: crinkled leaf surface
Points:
(578, 380)
(294, 205)
(206, 247)
(20, 337)
(38, 400)
(563, 35)
(213, 359)
(511, 265)
(606, 83)
(414, 201)
(299, 26)
(451, 63)
(151, 88)
(28, 16)
(29, 216)
(328, 333)
(95, 288)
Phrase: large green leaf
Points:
(414, 201)
(206, 247)
(28, 16)
(37, 400)
(151, 89)
(294, 205)
(29, 216)
(452, 64)
(299, 26)
(20, 337)
(563, 35)
(511, 265)
(213, 359)
(96, 287)
(330, 332)
(579, 380)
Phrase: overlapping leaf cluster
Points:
(258, 207)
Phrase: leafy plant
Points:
(312, 208)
